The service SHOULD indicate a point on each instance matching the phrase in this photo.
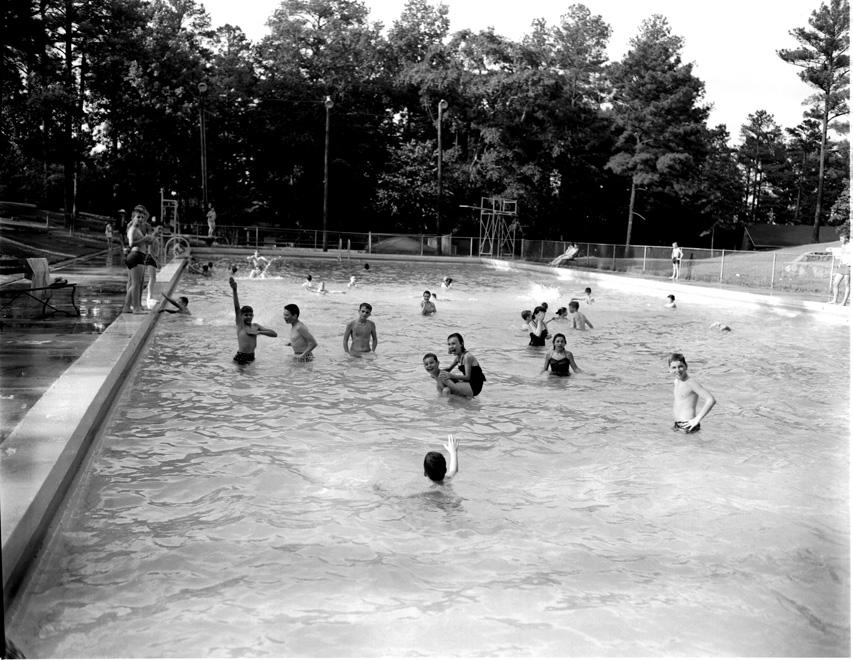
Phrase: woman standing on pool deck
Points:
(560, 361)
(136, 239)
(469, 382)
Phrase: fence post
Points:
(256, 238)
(645, 247)
(541, 250)
(471, 253)
(349, 246)
(522, 249)
(773, 271)
(613, 261)
(722, 263)
(315, 239)
(369, 242)
(422, 245)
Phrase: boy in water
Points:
(670, 301)
(247, 332)
(587, 296)
(427, 305)
(579, 320)
(686, 395)
(301, 339)
(182, 305)
(362, 331)
(432, 368)
(436, 468)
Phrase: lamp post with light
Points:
(442, 106)
(202, 95)
(329, 104)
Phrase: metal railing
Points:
(783, 270)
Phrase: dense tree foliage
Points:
(102, 105)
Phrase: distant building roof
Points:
(758, 237)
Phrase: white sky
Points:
(732, 43)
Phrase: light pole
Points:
(442, 106)
(202, 95)
(329, 105)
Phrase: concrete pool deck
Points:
(41, 456)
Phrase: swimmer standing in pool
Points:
(686, 393)
(247, 332)
(301, 339)
(362, 331)
(469, 381)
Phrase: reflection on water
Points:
(280, 508)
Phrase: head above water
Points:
(247, 309)
(365, 306)
(676, 358)
(560, 336)
(435, 467)
(526, 314)
(562, 311)
(426, 295)
(574, 306)
(292, 309)
(587, 291)
(185, 301)
(671, 298)
(454, 340)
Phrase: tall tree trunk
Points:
(819, 202)
(631, 211)
(69, 160)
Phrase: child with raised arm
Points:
(587, 296)
(436, 468)
(579, 319)
(538, 327)
(427, 305)
(247, 332)
(362, 331)
(686, 393)
(181, 304)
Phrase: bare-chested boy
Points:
(362, 331)
(432, 368)
(579, 319)
(427, 306)
(301, 339)
(686, 393)
(247, 332)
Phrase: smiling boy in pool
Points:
(436, 468)
(686, 393)
(247, 331)
(362, 331)
(432, 368)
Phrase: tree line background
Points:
(100, 109)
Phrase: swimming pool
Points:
(280, 509)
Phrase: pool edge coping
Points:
(42, 454)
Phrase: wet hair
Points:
(308, 277)
(429, 355)
(184, 300)
(293, 309)
(671, 297)
(427, 292)
(459, 337)
(367, 305)
(587, 290)
(246, 308)
(448, 280)
(204, 269)
(435, 467)
(233, 269)
(210, 264)
(526, 314)
(562, 311)
(677, 357)
(554, 340)
(366, 266)
(574, 304)
(544, 306)
(538, 309)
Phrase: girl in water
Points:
(469, 381)
(559, 360)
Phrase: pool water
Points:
(279, 509)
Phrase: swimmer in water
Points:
(307, 284)
(586, 297)
(670, 301)
(538, 327)
(247, 331)
(562, 315)
(432, 368)
(469, 381)
(685, 394)
(181, 304)
(427, 305)
(436, 468)
(579, 319)
(362, 331)
(446, 282)
(301, 339)
(352, 282)
(719, 325)
(559, 361)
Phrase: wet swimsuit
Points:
(244, 358)
(477, 378)
(538, 340)
(134, 258)
(149, 261)
(682, 426)
(559, 367)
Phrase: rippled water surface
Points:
(279, 509)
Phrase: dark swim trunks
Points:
(134, 258)
(682, 426)
(244, 358)
(149, 261)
